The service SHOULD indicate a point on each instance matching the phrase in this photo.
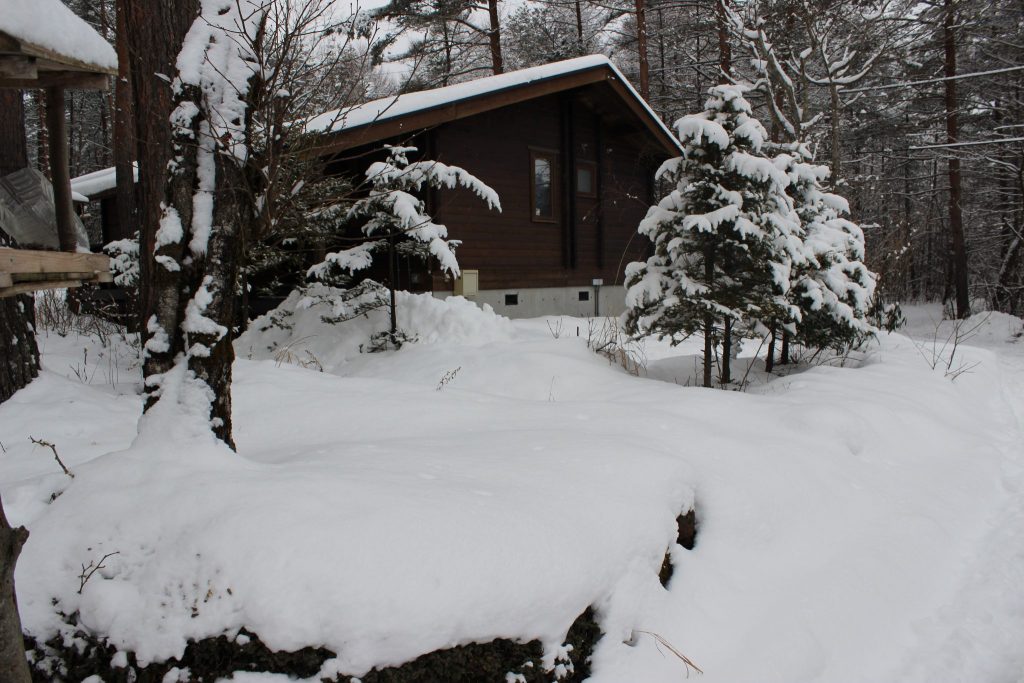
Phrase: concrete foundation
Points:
(530, 302)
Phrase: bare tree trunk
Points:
(641, 49)
(956, 220)
(724, 49)
(42, 136)
(494, 36)
(709, 320)
(833, 91)
(769, 361)
(124, 135)
(726, 375)
(579, 28)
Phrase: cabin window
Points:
(586, 179)
(584, 295)
(543, 170)
(511, 299)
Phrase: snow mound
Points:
(296, 331)
(992, 327)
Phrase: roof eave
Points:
(386, 127)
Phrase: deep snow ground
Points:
(858, 523)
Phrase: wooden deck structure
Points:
(25, 270)
(25, 65)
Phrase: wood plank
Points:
(71, 80)
(29, 287)
(37, 261)
(16, 66)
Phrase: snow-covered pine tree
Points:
(395, 221)
(725, 236)
(832, 287)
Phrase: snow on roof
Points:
(401, 105)
(51, 25)
(96, 182)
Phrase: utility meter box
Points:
(468, 284)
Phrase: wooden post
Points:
(60, 170)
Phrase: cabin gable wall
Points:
(512, 250)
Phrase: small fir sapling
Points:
(726, 237)
(394, 221)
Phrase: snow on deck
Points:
(397, 106)
(51, 25)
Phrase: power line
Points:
(936, 80)
(970, 144)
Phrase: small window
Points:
(584, 295)
(586, 179)
(543, 176)
(511, 299)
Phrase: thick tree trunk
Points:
(60, 167)
(19, 355)
(494, 36)
(769, 361)
(13, 665)
(154, 30)
(18, 367)
(956, 220)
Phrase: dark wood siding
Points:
(510, 249)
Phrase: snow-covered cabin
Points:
(571, 149)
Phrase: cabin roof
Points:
(43, 43)
(395, 115)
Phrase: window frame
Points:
(592, 166)
(554, 162)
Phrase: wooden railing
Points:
(27, 270)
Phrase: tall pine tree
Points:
(725, 237)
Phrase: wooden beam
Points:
(60, 172)
(29, 287)
(33, 261)
(15, 66)
(71, 80)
